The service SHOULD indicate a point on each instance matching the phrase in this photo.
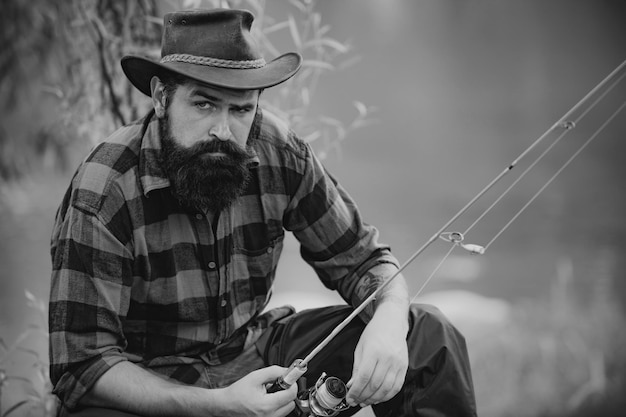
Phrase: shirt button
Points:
(199, 216)
(270, 250)
(212, 265)
(223, 303)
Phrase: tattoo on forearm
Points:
(367, 285)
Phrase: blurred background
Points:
(415, 106)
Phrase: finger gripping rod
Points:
(299, 366)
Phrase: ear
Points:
(159, 97)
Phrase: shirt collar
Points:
(151, 173)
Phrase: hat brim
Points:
(140, 71)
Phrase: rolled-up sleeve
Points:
(334, 239)
(90, 291)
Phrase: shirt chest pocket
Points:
(253, 268)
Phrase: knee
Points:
(429, 325)
(438, 380)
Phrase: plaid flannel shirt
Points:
(136, 277)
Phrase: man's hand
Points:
(380, 358)
(249, 396)
(130, 388)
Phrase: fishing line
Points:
(299, 366)
(434, 271)
(567, 126)
(456, 238)
(584, 145)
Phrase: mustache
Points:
(227, 147)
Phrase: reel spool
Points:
(325, 399)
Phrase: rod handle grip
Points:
(294, 372)
(276, 386)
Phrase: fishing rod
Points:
(327, 396)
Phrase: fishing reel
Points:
(324, 399)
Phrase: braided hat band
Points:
(214, 62)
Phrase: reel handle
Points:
(294, 372)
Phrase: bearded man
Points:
(165, 249)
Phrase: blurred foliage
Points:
(60, 79)
(555, 358)
(37, 392)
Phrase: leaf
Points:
(316, 18)
(42, 376)
(33, 394)
(306, 98)
(257, 7)
(313, 63)
(298, 5)
(312, 137)
(361, 108)
(331, 43)
(191, 4)
(30, 296)
(20, 378)
(26, 350)
(331, 121)
(306, 73)
(349, 62)
(295, 35)
(15, 407)
(154, 19)
(322, 31)
(53, 90)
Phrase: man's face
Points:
(204, 131)
(198, 113)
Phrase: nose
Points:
(221, 129)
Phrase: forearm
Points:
(381, 356)
(393, 300)
(131, 388)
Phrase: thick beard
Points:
(204, 183)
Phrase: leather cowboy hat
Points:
(213, 47)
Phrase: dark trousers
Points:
(438, 382)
